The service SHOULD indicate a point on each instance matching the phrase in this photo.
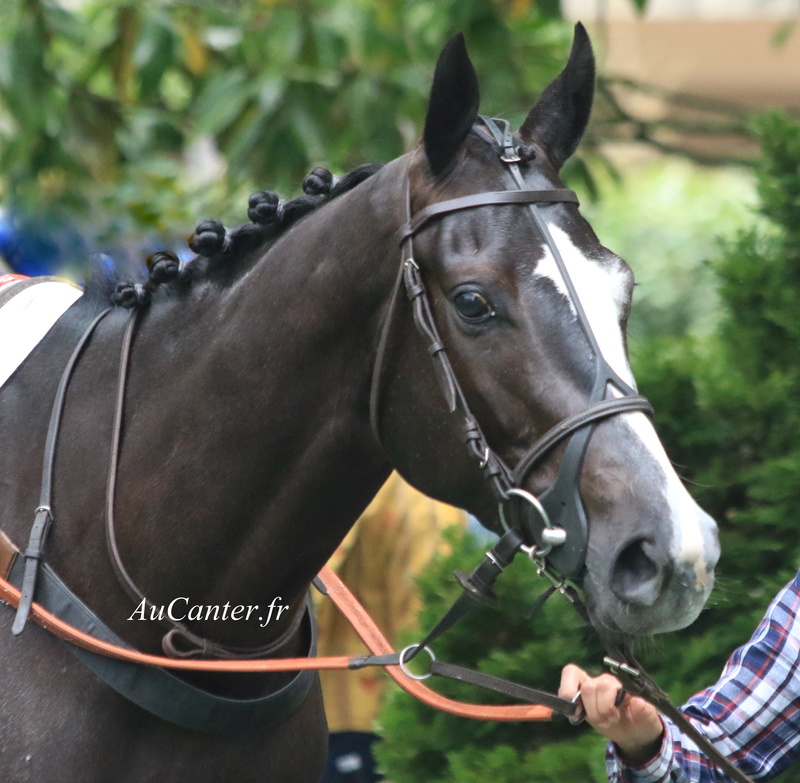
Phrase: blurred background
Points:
(123, 124)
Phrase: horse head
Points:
(531, 311)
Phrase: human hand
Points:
(634, 726)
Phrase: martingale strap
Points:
(179, 641)
(156, 689)
(43, 517)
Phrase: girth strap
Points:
(158, 690)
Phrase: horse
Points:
(264, 409)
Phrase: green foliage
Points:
(130, 121)
(741, 387)
(665, 217)
(104, 107)
(734, 425)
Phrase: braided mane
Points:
(223, 255)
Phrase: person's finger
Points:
(599, 698)
(637, 710)
(572, 678)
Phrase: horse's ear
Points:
(453, 105)
(558, 119)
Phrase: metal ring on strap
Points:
(531, 498)
(402, 662)
(557, 537)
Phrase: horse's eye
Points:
(473, 307)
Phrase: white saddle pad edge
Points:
(27, 317)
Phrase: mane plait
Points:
(353, 178)
(163, 268)
(226, 250)
(222, 255)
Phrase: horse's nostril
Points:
(636, 578)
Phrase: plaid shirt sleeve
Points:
(752, 714)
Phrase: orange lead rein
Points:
(347, 604)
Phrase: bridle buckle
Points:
(509, 154)
(537, 557)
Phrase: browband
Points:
(558, 195)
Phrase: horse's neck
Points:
(270, 454)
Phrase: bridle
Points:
(553, 526)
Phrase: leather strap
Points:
(552, 196)
(121, 573)
(498, 685)
(44, 516)
(595, 412)
(179, 641)
(476, 587)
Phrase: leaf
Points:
(122, 52)
(222, 99)
(155, 55)
(195, 54)
(783, 33)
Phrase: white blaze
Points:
(602, 290)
